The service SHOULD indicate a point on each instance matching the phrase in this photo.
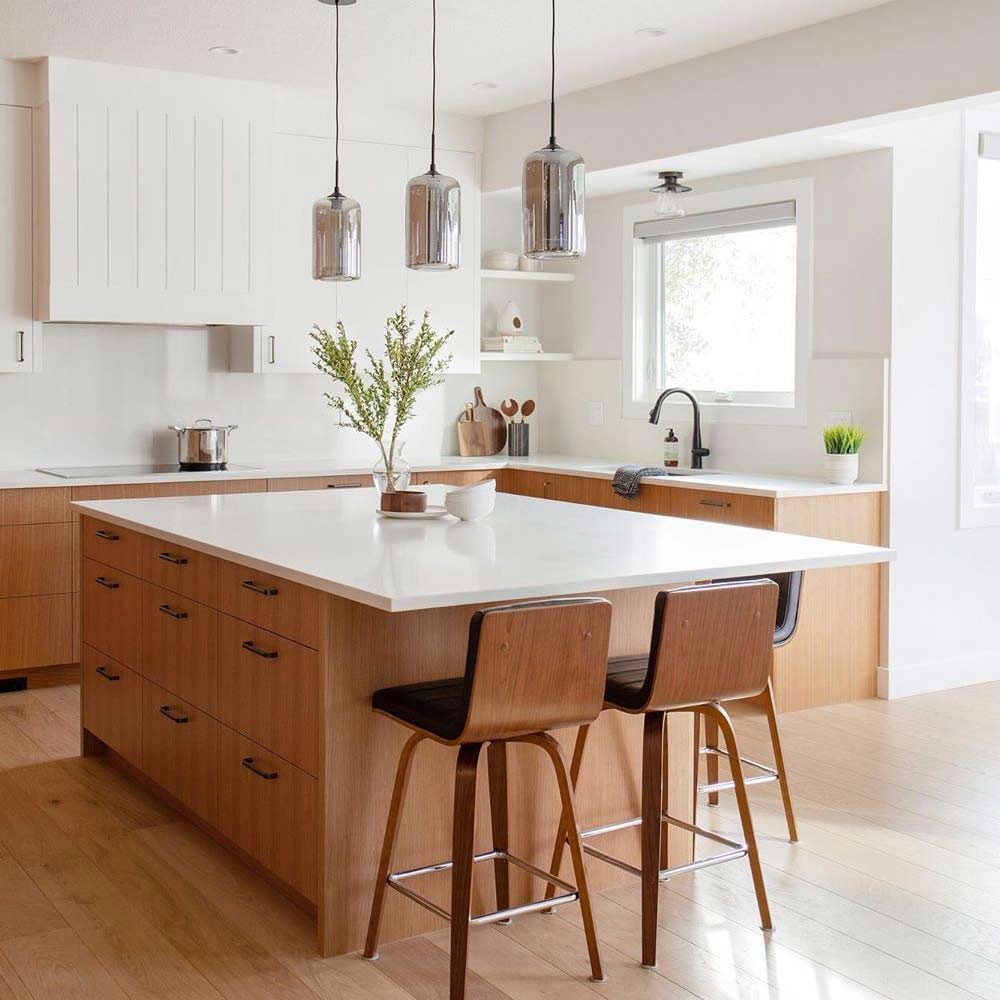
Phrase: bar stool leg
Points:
(574, 777)
(497, 763)
(711, 759)
(389, 842)
(651, 830)
(766, 701)
(463, 833)
(729, 737)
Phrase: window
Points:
(720, 301)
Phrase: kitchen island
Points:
(231, 645)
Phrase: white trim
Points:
(970, 514)
(637, 406)
(981, 667)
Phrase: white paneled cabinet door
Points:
(16, 334)
(452, 297)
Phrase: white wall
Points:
(851, 330)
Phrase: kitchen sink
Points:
(680, 471)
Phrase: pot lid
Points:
(203, 424)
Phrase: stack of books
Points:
(513, 345)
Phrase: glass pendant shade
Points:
(666, 205)
(552, 204)
(433, 222)
(336, 238)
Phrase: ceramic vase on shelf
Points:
(391, 473)
(841, 469)
(509, 322)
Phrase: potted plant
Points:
(378, 399)
(843, 442)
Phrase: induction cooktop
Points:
(127, 471)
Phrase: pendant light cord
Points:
(336, 104)
(434, 77)
(552, 91)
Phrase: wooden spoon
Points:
(509, 408)
(527, 409)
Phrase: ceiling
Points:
(386, 43)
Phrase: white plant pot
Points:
(841, 469)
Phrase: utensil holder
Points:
(517, 439)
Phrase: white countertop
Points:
(333, 541)
(715, 480)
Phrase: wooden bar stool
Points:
(530, 668)
(710, 644)
(787, 617)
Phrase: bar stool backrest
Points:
(789, 593)
(535, 666)
(711, 643)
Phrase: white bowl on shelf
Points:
(500, 260)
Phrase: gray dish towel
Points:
(626, 481)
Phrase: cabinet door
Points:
(16, 334)
(451, 297)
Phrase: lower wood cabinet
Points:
(36, 559)
(111, 602)
(268, 808)
(111, 699)
(710, 505)
(111, 545)
(463, 477)
(36, 631)
(182, 570)
(180, 750)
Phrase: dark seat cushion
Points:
(626, 677)
(437, 706)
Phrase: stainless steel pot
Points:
(203, 447)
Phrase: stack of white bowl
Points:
(500, 260)
(470, 503)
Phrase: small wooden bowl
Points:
(404, 501)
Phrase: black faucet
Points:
(697, 451)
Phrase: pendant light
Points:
(552, 192)
(433, 200)
(667, 203)
(337, 218)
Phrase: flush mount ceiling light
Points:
(667, 191)
(336, 218)
(433, 200)
(651, 32)
(223, 50)
(552, 192)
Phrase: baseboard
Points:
(939, 675)
(54, 676)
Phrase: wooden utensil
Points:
(527, 409)
(495, 423)
(473, 435)
(509, 408)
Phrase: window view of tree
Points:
(728, 313)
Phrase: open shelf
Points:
(503, 356)
(527, 275)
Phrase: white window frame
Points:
(970, 513)
(638, 286)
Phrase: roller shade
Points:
(779, 213)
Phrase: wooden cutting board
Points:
(485, 434)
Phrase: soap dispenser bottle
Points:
(671, 450)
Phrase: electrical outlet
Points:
(594, 414)
(839, 417)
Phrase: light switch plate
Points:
(593, 413)
(839, 417)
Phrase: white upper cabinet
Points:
(16, 327)
(155, 197)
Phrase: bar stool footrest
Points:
(769, 773)
(396, 880)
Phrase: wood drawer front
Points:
(270, 812)
(318, 483)
(180, 750)
(463, 478)
(289, 609)
(111, 545)
(143, 491)
(269, 692)
(529, 484)
(184, 571)
(596, 492)
(730, 508)
(180, 646)
(112, 703)
(111, 602)
(36, 559)
(36, 631)
(40, 506)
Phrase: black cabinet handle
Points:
(167, 610)
(110, 584)
(175, 560)
(343, 486)
(169, 713)
(267, 654)
(103, 671)
(258, 589)
(250, 765)
(108, 536)
(713, 503)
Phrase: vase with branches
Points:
(376, 396)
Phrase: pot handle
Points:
(204, 420)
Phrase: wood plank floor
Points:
(106, 894)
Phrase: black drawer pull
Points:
(167, 610)
(343, 486)
(713, 503)
(108, 536)
(258, 589)
(175, 560)
(105, 582)
(267, 654)
(169, 713)
(103, 671)
(248, 763)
